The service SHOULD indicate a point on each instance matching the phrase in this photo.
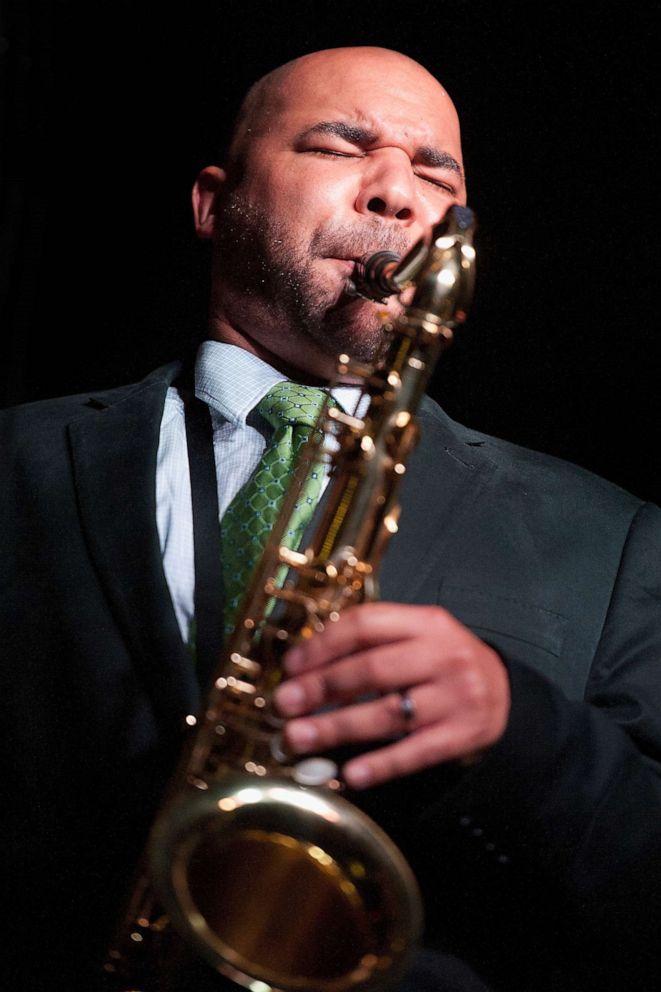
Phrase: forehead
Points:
(393, 99)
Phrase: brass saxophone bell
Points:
(280, 887)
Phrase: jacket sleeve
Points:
(556, 833)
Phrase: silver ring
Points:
(406, 706)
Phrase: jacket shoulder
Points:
(27, 421)
(535, 473)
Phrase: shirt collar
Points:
(233, 381)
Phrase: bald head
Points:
(335, 155)
(266, 99)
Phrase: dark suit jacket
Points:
(540, 864)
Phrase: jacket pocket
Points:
(515, 628)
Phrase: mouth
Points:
(345, 265)
(393, 304)
(347, 270)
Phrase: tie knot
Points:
(292, 403)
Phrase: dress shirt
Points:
(231, 382)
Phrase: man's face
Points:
(360, 151)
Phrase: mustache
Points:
(348, 241)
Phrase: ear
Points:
(207, 186)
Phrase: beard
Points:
(272, 271)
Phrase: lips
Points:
(345, 261)
(394, 303)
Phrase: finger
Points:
(381, 669)
(365, 626)
(371, 720)
(440, 742)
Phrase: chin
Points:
(361, 336)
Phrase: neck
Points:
(320, 375)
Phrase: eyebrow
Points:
(358, 135)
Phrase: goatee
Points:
(273, 269)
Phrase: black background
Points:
(110, 109)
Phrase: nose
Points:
(388, 187)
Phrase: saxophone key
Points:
(246, 665)
(353, 423)
(315, 771)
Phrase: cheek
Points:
(436, 206)
(311, 192)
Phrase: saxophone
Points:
(255, 863)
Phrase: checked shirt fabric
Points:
(292, 410)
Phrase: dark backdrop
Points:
(111, 108)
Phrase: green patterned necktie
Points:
(292, 410)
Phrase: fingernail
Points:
(290, 697)
(358, 775)
(302, 734)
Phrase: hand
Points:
(457, 684)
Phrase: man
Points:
(521, 623)
(379, 176)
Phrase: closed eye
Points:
(439, 184)
(333, 152)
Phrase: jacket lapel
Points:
(446, 477)
(114, 453)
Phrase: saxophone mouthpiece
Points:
(372, 277)
(383, 274)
